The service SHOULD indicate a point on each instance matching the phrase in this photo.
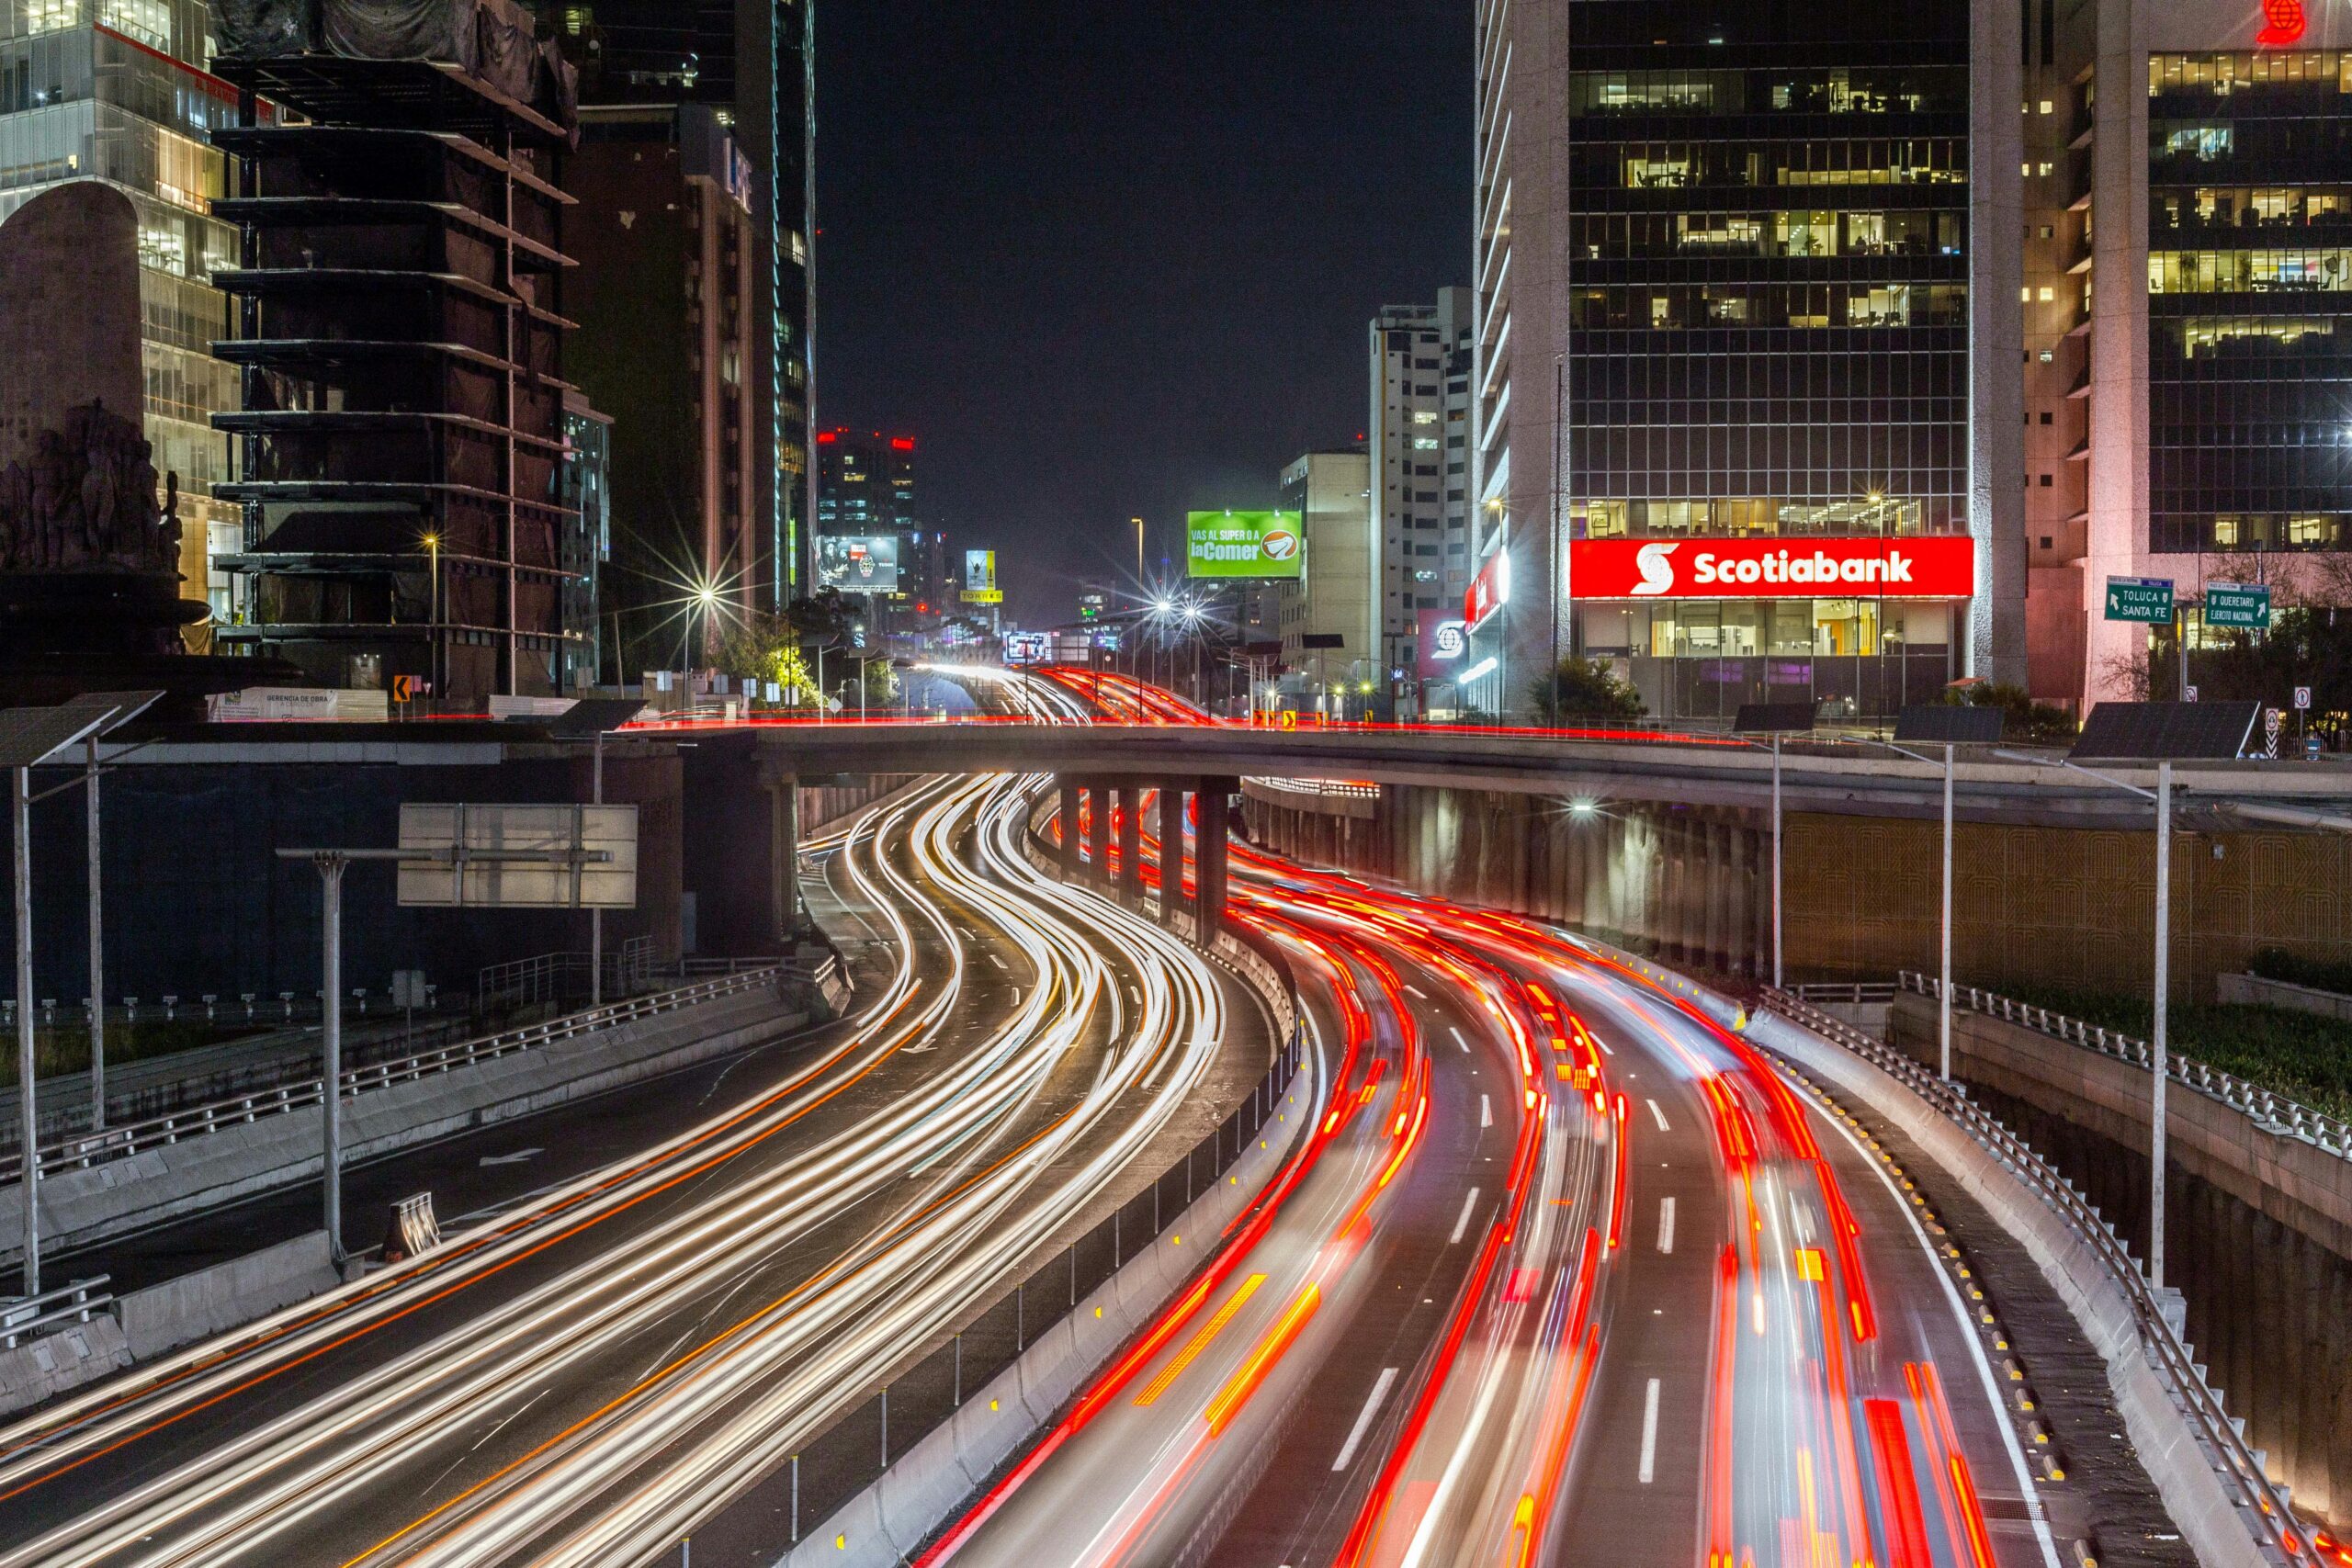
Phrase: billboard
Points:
(1028, 648)
(1489, 591)
(980, 578)
(1264, 545)
(858, 563)
(1440, 640)
(1935, 567)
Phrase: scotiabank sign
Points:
(1933, 568)
(1489, 591)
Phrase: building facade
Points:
(666, 296)
(752, 65)
(1762, 346)
(1339, 594)
(866, 490)
(1420, 452)
(118, 91)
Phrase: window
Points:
(2048, 543)
(2045, 481)
(2045, 417)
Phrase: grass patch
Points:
(2300, 1054)
(66, 1047)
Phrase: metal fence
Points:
(2240, 1465)
(116, 1143)
(562, 976)
(1847, 993)
(2276, 1112)
(852, 1452)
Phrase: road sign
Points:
(2272, 719)
(403, 688)
(526, 857)
(2188, 693)
(2145, 599)
(2302, 699)
(2237, 604)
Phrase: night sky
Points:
(1111, 261)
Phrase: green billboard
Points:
(2237, 604)
(2145, 599)
(1244, 543)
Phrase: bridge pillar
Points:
(1171, 849)
(784, 855)
(1130, 807)
(1098, 833)
(1211, 866)
(1067, 810)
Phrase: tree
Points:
(2022, 718)
(767, 647)
(1582, 688)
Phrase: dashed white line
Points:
(1469, 1202)
(999, 962)
(1363, 1423)
(1649, 1433)
(1418, 992)
(1659, 1117)
(1458, 1039)
(1666, 1224)
(1485, 1111)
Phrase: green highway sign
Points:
(1244, 543)
(2236, 605)
(2139, 599)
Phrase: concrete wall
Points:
(79, 1206)
(2257, 1234)
(2253, 990)
(2034, 906)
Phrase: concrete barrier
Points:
(884, 1525)
(79, 1206)
(227, 1295)
(40, 1369)
(2253, 990)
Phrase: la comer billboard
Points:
(1937, 566)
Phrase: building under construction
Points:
(401, 447)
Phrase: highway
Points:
(589, 1375)
(1567, 1273)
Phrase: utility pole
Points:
(1943, 1019)
(97, 951)
(596, 915)
(331, 866)
(22, 818)
(1778, 979)
(2157, 1040)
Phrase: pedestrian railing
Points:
(2236, 1460)
(2276, 1112)
(29, 1317)
(116, 1143)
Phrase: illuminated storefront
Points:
(1861, 625)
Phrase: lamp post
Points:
(433, 613)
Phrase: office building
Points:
(665, 297)
(402, 440)
(1420, 475)
(116, 90)
(1330, 619)
(2217, 445)
(866, 490)
(1767, 320)
(587, 493)
(750, 66)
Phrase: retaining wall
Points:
(2258, 1233)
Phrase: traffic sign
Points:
(2272, 719)
(2303, 698)
(2188, 693)
(2237, 604)
(2145, 599)
(403, 688)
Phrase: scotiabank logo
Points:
(1938, 568)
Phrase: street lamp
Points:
(433, 613)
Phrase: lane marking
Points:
(1666, 1224)
(1418, 992)
(1469, 1202)
(999, 962)
(1649, 1432)
(1363, 1423)
(1659, 1117)
(520, 1157)
(1485, 1111)
(1458, 1039)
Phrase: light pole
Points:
(433, 615)
(1778, 972)
(98, 947)
(29, 1128)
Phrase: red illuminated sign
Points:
(1490, 591)
(1935, 567)
(2282, 22)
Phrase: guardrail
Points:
(2237, 1461)
(1855, 993)
(2275, 1111)
(24, 1317)
(116, 1143)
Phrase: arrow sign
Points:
(2145, 599)
(2237, 604)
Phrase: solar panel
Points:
(1947, 724)
(591, 717)
(30, 735)
(2178, 731)
(1768, 719)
